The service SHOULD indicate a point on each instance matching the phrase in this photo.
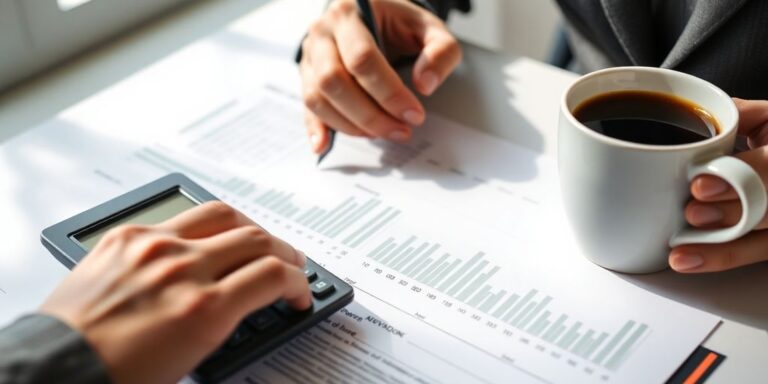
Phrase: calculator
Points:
(260, 332)
(268, 328)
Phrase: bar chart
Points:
(467, 281)
(352, 221)
(235, 185)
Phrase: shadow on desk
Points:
(740, 295)
(480, 94)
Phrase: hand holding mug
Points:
(715, 204)
(630, 140)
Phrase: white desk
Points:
(510, 97)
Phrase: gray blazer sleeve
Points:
(42, 349)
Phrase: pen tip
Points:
(328, 147)
(321, 157)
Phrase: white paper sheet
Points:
(464, 267)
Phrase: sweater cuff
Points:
(39, 348)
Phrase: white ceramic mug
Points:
(624, 200)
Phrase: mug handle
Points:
(748, 186)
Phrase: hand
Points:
(716, 205)
(349, 85)
(153, 301)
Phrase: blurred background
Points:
(38, 34)
(520, 27)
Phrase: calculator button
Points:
(310, 274)
(322, 288)
(287, 311)
(238, 337)
(262, 319)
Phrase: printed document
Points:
(464, 268)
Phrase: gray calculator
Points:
(260, 332)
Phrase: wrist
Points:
(43, 348)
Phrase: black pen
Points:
(369, 19)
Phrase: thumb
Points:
(439, 57)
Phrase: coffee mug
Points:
(625, 201)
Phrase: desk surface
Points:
(511, 97)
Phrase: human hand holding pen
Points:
(348, 83)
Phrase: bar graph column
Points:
(429, 269)
(413, 268)
(161, 161)
(371, 227)
(621, 354)
(359, 219)
(469, 281)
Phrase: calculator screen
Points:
(155, 212)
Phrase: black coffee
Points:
(647, 118)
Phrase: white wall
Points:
(522, 27)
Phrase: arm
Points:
(149, 303)
(42, 349)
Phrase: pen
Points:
(366, 13)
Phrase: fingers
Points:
(205, 220)
(330, 82)
(348, 82)
(696, 258)
(367, 64)
(716, 203)
(717, 214)
(263, 281)
(440, 56)
(228, 239)
(753, 120)
(318, 104)
(710, 188)
(228, 251)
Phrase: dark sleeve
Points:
(442, 8)
(42, 349)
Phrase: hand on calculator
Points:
(153, 301)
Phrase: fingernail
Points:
(314, 140)
(705, 214)
(302, 258)
(685, 261)
(399, 136)
(429, 82)
(413, 117)
(710, 187)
